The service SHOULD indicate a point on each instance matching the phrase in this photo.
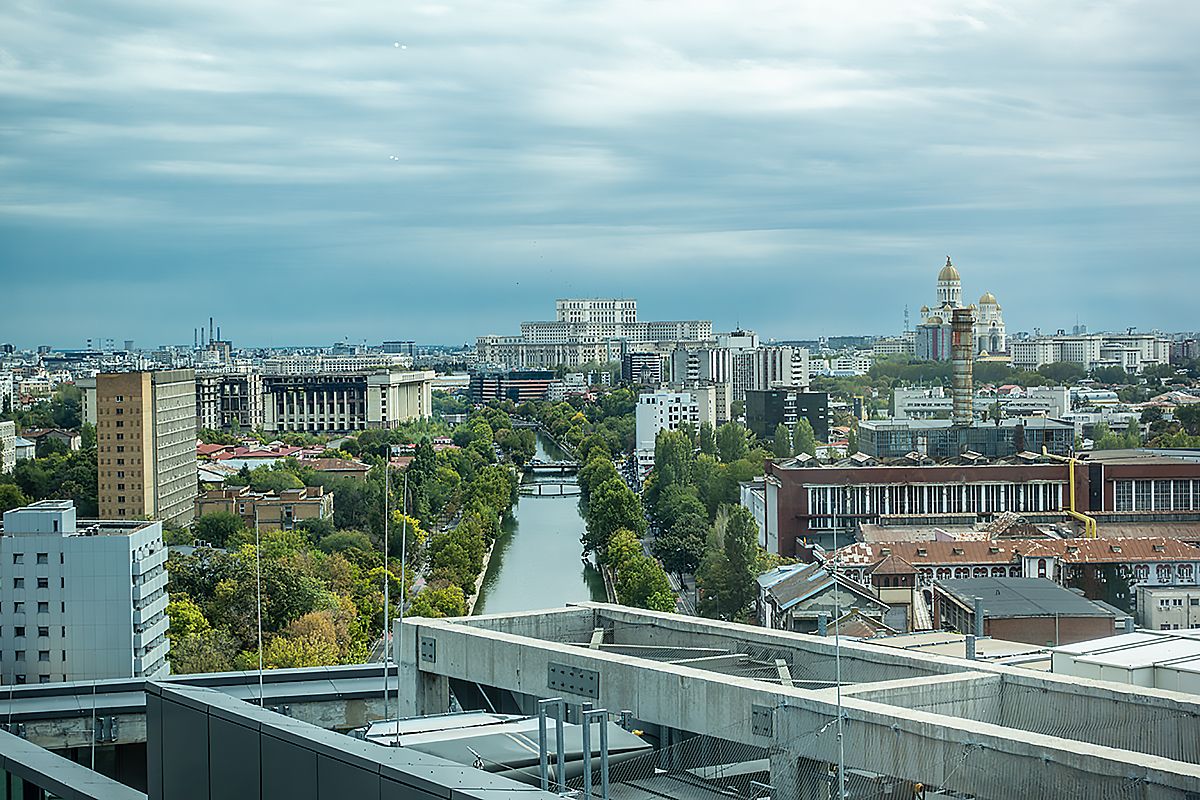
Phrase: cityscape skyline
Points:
(259, 160)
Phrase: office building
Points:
(1132, 352)
(1168, 608)
(585, 331)
(341, 402)
(667, 410)
(8, 447)
(942, 439)
(268, 510)
(644, 369)
(772, 366)
(700, 364)
(146, 445)
(228, 399)
(935, 403)
(769, 408)
(81, 600)
(517, 385)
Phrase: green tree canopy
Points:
(217, 527)
(781, 446)
(806, 438)
(732, 443)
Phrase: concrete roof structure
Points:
(971, 727)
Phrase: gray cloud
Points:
(797, 167)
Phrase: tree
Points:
(642, 583)
(781, 447)
(341, 541)
(612, 506)
(672, 458)
(217, 527)
(11, 497)
(623, 547)
(707, 439)
(674, 502)
(87, 436)
(186, 618)
(731, 442)
(727, 574)
(443, 601)
(806, 438)
(852, 441)
(1189, 417)
(681, 547)
(291, 652)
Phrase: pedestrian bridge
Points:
(551, 489)
(552, 467)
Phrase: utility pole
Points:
(387, 490)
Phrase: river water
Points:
(537, 561)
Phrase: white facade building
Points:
(935, 403)
(84, 601)
(343, 402)
(1132, 352)
(772, 366)
(666, 411)
(8, 447)
(315, 363)
(584, 331)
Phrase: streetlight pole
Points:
(258, 577)
(387, 512)
(403, 584)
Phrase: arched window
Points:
(943, 573)
(1041, 567)
(998, 572)
(961, 572)
(1186, 573)
(981, 572)
(1163, 572)
(1141, 572)
(1014, 572)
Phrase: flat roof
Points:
(1022, 597)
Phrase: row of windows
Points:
(43, 655)
(42, 583)
(42, 558)
(1157, 495)
(21, 679)
(43, 630)
(918, 499)
(43, 607)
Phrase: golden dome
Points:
(948, 273)
(924, 309)
(988, 299)
(934, 320)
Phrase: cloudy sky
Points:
(362, 170)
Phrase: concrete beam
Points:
(933, 748)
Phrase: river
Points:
(537, 560)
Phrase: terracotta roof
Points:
(893, 565)
(1073, 551)
(209, 449)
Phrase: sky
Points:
(361, 170)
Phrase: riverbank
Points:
(487, 562)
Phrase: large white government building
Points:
(81, 600)
(585, 331)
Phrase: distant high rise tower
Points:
(146, 445)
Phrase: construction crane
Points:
(1089, 523)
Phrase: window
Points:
(1195, 601)
(43, 655)
(43, 558)
(20, 655)
(18, 583)
(43, 608)
(19, 630)
(20, 679)
(19, 607)
(43, 583)
(43, 630)
(43, 678)
(18, 558)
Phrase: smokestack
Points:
(195, 338)
(962, 347)
(210, 330)
(219, 339)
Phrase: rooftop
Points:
(1021, 597)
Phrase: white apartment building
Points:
(772, 366)
(80, 600)
(935, 403)
(7, 387)
(345, 401)
(853, 362)
(691, 363)
(665, 411)
(1133, 352)
(8, 447)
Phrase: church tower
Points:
(949, 286)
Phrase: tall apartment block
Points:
(8, 447)
(80, 600)
(146, 445)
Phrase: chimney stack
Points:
(962, 350)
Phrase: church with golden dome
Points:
(933, 336)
